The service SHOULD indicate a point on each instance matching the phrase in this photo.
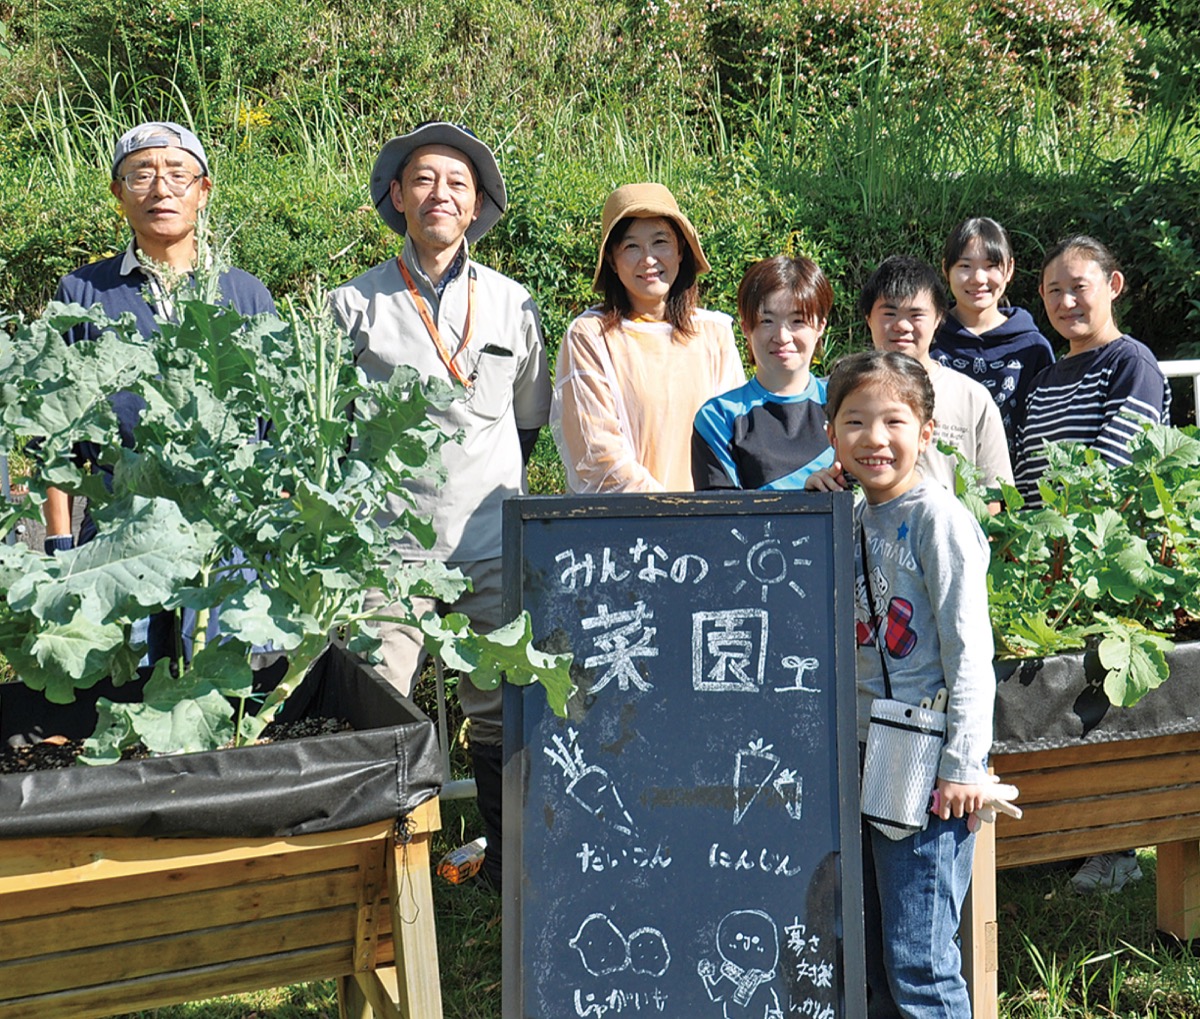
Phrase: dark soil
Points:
(60, 752)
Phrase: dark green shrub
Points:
(994, 55)
(194, 48)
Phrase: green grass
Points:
(1066, 956)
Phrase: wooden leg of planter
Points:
(1179, 889)
(352, 1003)
(410, 884)
(978, 929)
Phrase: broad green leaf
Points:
(1013, 500)
(181, 713)
(426, 579)
(226, 667)
(114, 733)
(185, 724)
(133, 564)
(1033, 636)
(76, 406)
(259, 618)
(1136, 663)
(60, 658)
(208, 332)
(302, 504)
(506, 653)
(19, 561)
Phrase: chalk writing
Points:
(802, 666)
(618, 647)
(810, 965)
(652, 563)
(766, 562)
(595, 1005)
(668, 860)
(597, 859)
(601, 945)
(790, 788)
(798, 938)
(765, 860)
(812, 1008)
(753, 768)
(589, 785)
(605, 950)
(679, 570)
(729, 650)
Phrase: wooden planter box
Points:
(1100, 779)
(96, 926)
(91, 925)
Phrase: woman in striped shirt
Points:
(1108, 384)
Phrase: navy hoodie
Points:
(1004, 360)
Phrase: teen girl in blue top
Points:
(770, 432)
(983, 336)
(927, 560)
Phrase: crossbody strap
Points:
(871, 608)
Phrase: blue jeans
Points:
(913, 891)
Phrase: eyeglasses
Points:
(140, 182)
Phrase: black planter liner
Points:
(386, 767)
(1047, 703)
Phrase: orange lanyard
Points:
(431, 326)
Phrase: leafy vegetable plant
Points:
(277, 524)
(1111, 560)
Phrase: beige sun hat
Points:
(645, 201)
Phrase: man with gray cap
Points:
(160, 180)
(434, 308)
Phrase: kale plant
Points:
(262, 459)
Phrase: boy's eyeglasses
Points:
(139, 182)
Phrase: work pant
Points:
(404, 648)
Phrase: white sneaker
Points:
(1108, 872)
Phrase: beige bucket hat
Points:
(439, 132)
(645, 201)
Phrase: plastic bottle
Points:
(463, 863)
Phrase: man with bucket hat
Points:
(161, 182)
(436, 309)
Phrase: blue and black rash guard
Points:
(753, 438)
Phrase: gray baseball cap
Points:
(158, 135)
(437, 132)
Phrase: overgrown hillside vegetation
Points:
(843, 129)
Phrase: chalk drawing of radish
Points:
(590, 785)
(753, 768)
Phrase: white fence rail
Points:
(1185, 370)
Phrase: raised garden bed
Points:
(315, 865)
(1093, 779)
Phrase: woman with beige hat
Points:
(633, 371)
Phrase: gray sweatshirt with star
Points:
(928, 561)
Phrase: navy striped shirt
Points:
(1099, 398)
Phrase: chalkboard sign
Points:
(686, 843)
